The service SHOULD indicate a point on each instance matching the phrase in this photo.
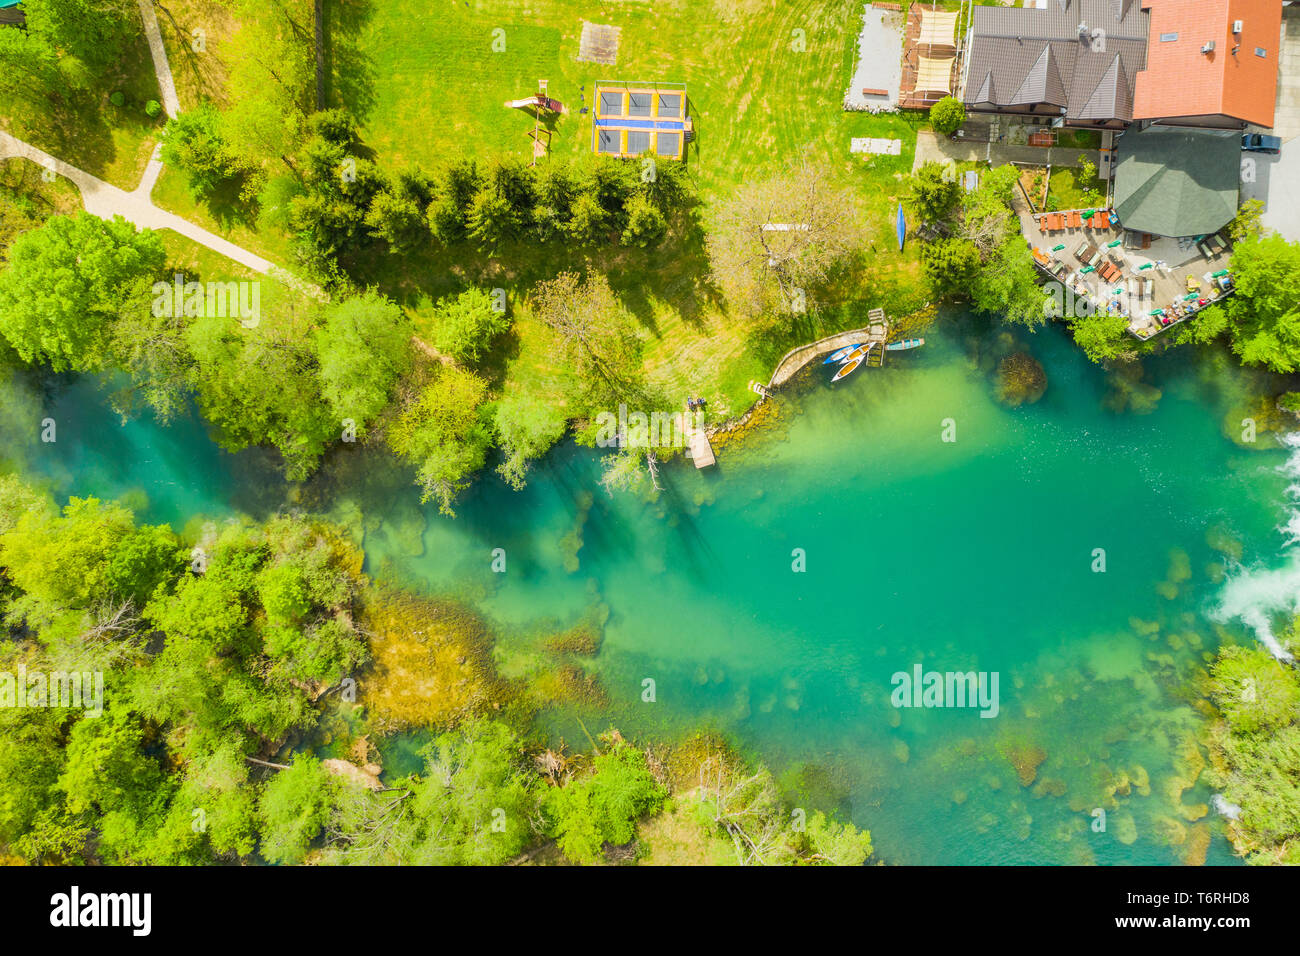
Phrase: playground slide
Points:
(554, 106)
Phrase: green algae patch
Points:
(1024, 757)
(572, 541)
(1198, 845)
(569, 685)
(581, 641)
(1128, 393)
(431, 664)
(1020, 380)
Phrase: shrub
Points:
(117, 98)
(153, 108)
(947, 115)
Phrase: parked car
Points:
(1260, 143)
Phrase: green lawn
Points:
(1069, 189)
(88, 131)
(172, 193)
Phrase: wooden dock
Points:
(701, 449)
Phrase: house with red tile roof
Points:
(1210, 63)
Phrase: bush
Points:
(604, 806)
(947, 115)
(117, 98)
(153, 108)
(195, 144)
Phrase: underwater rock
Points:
(1189, 761)
(1180, 566)
(1122, 786)
(1023, 825)
(572, 542)
(1195, 811)
(569, 684)
(959, 797)
(1128, 392)
(432, 664)
(582, 641)
(1266, 418)
(901, 751)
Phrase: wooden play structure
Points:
(539, 103)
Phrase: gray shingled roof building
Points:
(1177, 182)
(1077, 58)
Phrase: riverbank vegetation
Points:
(234, 686)
(1256, 753)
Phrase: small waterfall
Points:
(1255, 596)
(1223, 808)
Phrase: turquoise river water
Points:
(977, 554)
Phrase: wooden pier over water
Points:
(875, 332)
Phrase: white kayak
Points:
(849, 366)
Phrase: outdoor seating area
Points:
(1155, 281)
(929, 57)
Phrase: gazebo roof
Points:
(1177, 182)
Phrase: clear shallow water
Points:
(972, 555)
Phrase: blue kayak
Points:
(902, 228)
(838, 354)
